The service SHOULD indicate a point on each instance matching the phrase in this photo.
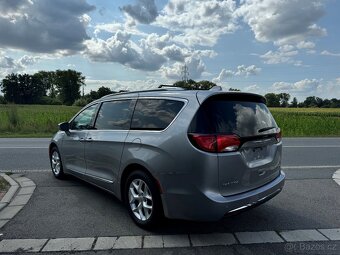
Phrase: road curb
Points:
(10, 193)
(336, 177)
(16, 197)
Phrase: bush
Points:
(49, 101)
(82, 102)
(2, 100)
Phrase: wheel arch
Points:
(128, 170)
(51, 146)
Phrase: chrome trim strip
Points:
(98, 178)
(256, 202)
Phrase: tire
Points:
(56, 164)
(143, 200)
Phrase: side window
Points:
(154, 114)
(84, 119)
(115, 115)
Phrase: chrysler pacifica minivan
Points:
(182, 154)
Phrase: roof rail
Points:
(170, 87)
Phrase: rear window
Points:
(243, 118)
(155, 114)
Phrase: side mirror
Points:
(64, 126)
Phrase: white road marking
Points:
(24, 170)
(311, 146)
(307, 167)
(23, 147)
(284, 146)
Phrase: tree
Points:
(284, 98)
(273, 100)
(205, 85)
(2, 100)
(310, 102)
(68, 85)
(10, 88)
(22, 89)
(294, 103)
(48, 81)
(103, 91)
(232, 89)
(193, 85)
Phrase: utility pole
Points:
(185, 73)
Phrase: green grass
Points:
(308, 121)
(33, 120)
(4, 185)
(42, 120)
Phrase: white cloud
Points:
(44, 26)
(144, 11)
(116, 85)
(306, 86)
(283, 22)
(195, 68)
(328, 53)
(149, 54)
(305, 45)
(223, 75)
(116, 26)
(9, 65)
(280, 56)
(309, 87)
(252, 88)
(119, 48)
(200, 22)
(241, 70)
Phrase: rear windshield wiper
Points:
(265, 129)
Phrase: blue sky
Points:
(258, 46)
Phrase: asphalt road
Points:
(72, 208)
(32, 153)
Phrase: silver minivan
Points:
(182, 154)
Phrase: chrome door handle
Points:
(89, 139)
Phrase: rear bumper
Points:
(210, 206)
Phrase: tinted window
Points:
(84, 119)
(115, 115)
(233, 117)
(155, 114)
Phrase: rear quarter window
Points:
(155, 114)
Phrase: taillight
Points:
(204, 142)
(278, 136)
(227, 143)
(215, 143)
